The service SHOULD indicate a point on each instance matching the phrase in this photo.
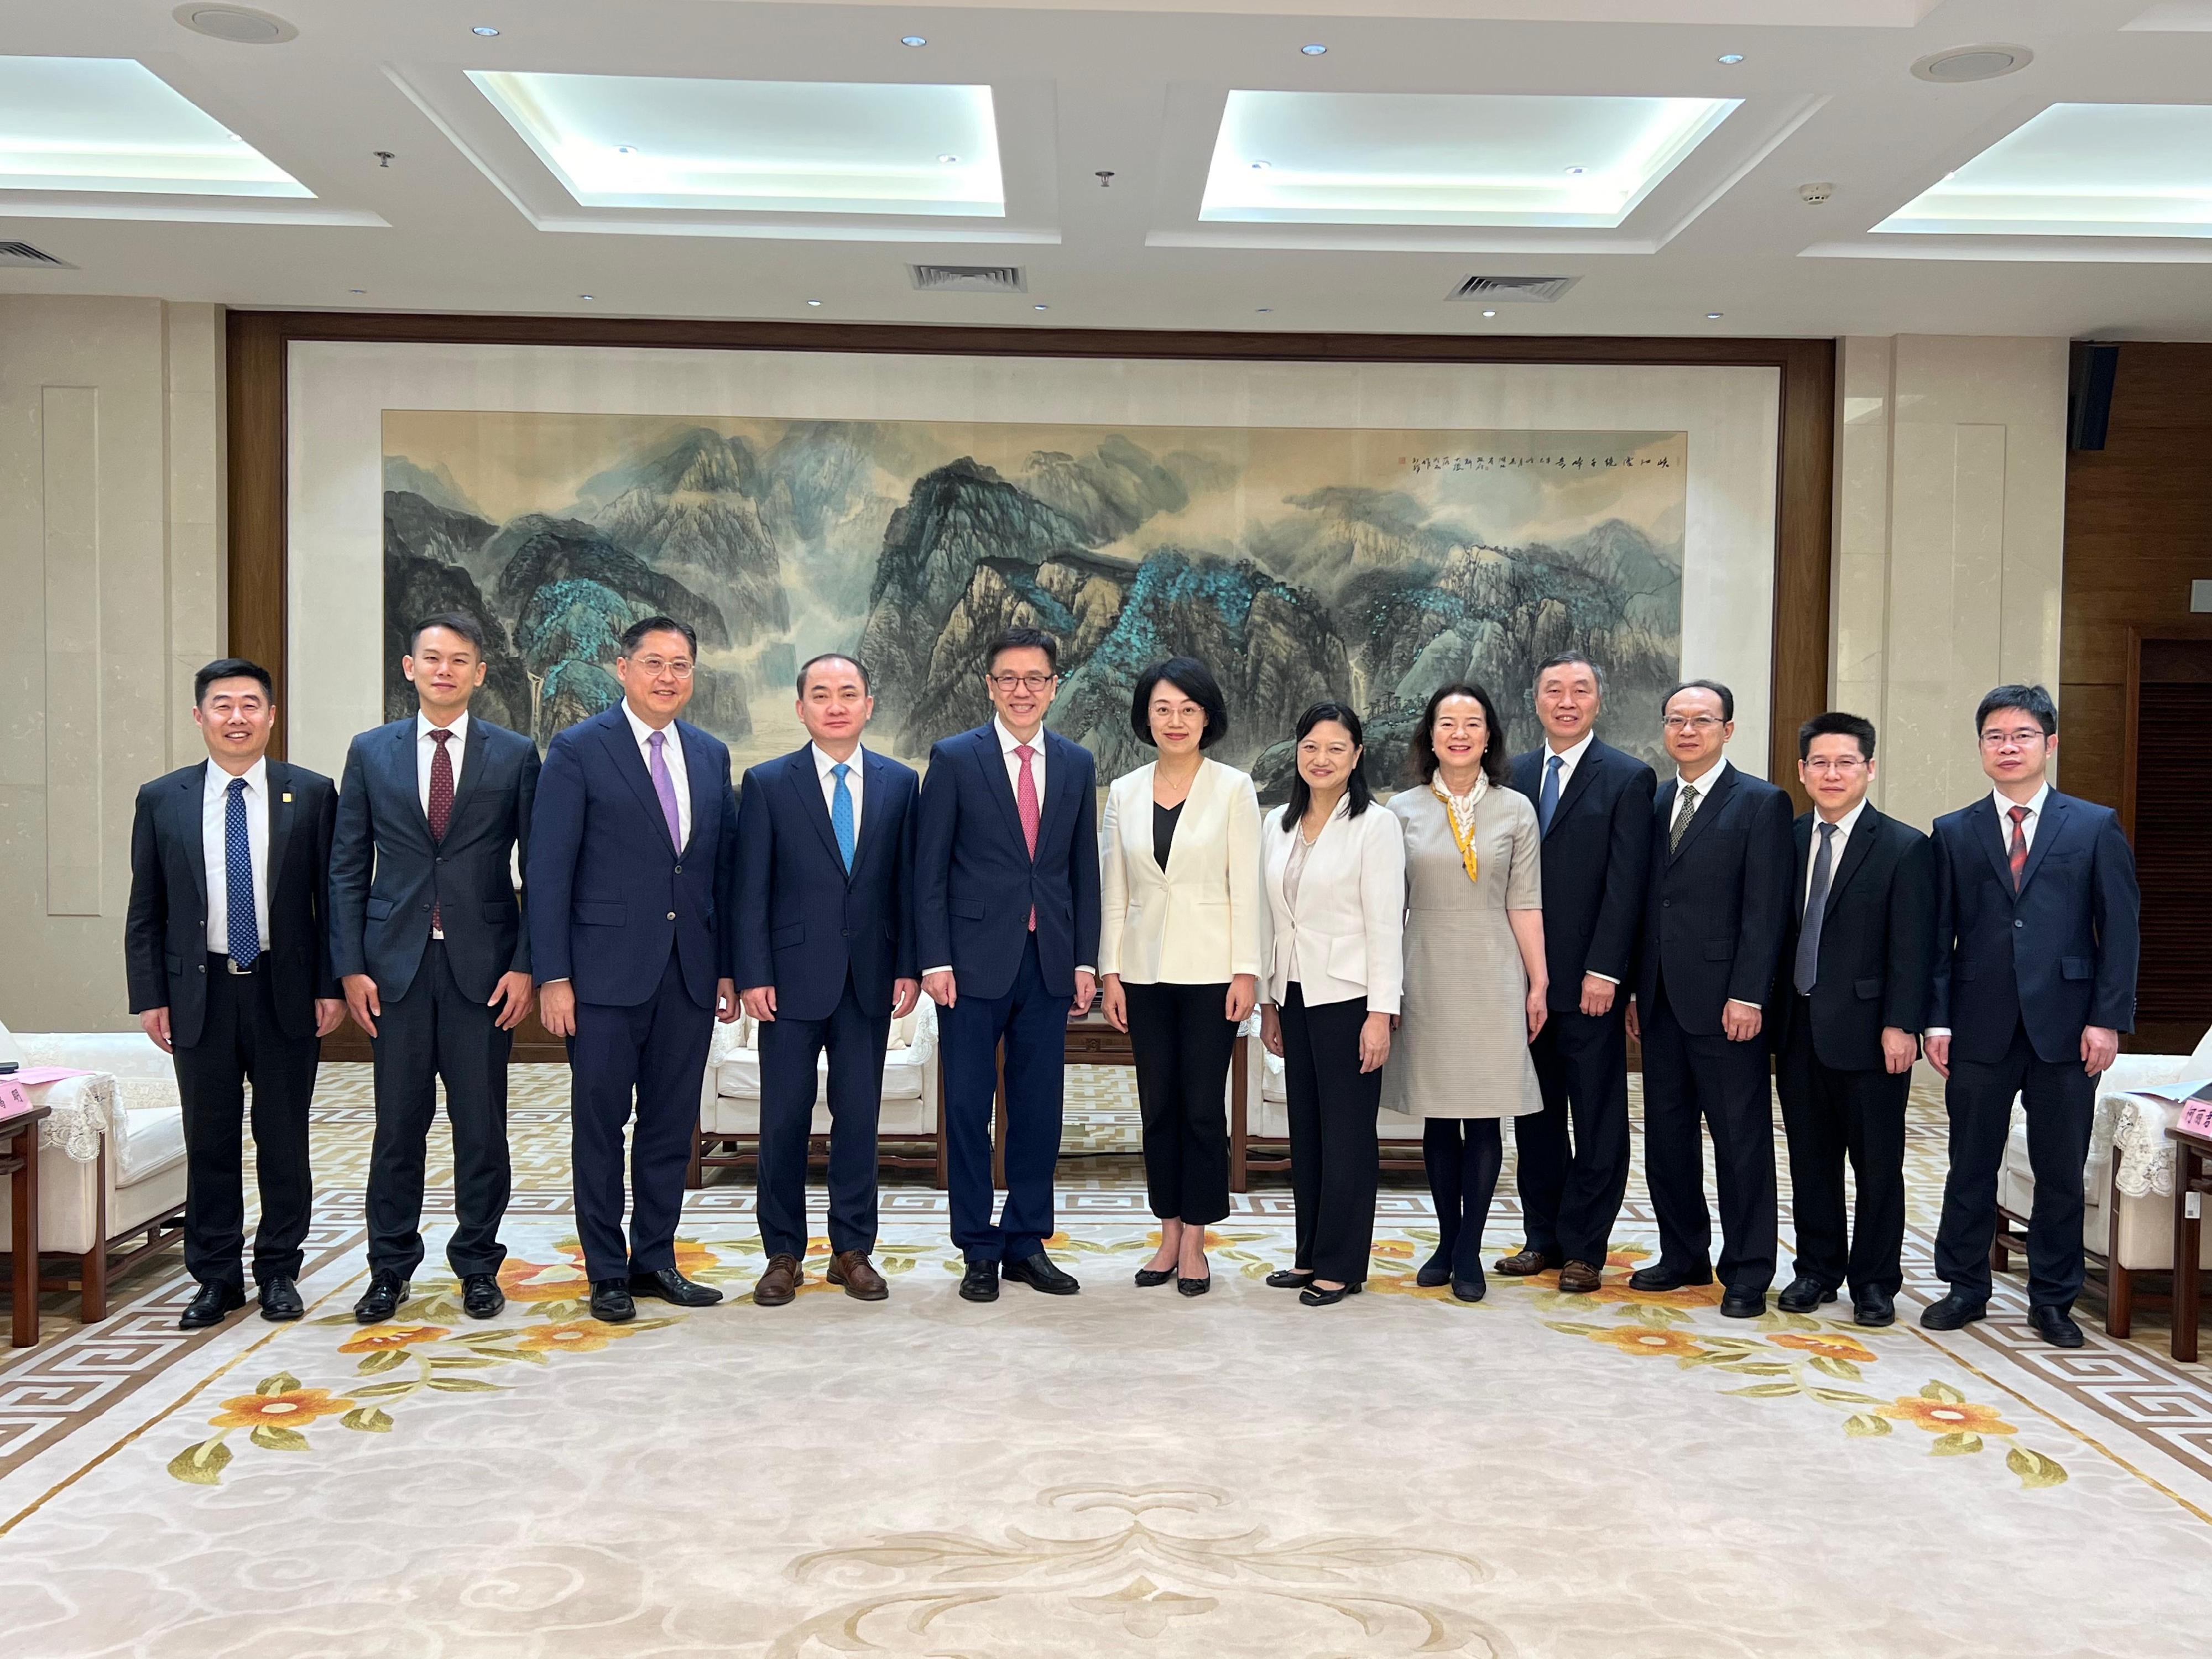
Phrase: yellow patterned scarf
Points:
(1463, 831)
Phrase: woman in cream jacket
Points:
(1179, 951)
(1335, 868)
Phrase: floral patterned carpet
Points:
(1126, 1471)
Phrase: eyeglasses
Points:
(655, 667)
(1844, 763)
(2020, 739)
(1691, 722)
(1022, 681)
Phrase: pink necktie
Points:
(1025, 800)
(2019, 854)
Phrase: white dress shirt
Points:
(823, 765)
(672, 752)
(1842, 834)
(1704, 787)
(215, 850)
(1007, 744)
(426, 750)
(2004, 804)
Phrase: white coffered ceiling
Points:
(722, 158)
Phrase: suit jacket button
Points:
(672, 916)
(2017, 922)
(426, 906)
(679, 869)
(203, 967)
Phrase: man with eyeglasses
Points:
(1850, 1001)
(1006, 918)
(1714, 913)
(631, 879)
(2036, 933)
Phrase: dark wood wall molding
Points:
(260, 343)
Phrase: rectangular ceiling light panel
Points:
(1371, 158)
(2079, 170)
(617, 141)
(111, 124)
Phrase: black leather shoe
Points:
(279, 1299)
(1148, 1277)
(386, 1291)
(1657, 1278)
(1954, 1312)
(2056, 1326)
(1314, 1296)
(209, 1307)
(1874, 1307)
(1193, 1286)
(671, 1286)
(981, 1282)
(1804, 1294)
(1471, 1290)
(1743, 1304)
(610, 1301)
(481, 1295)
(1289, 1278)
(1039, 1274)
(1433, 1272)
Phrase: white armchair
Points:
(112, 1156)
(2127, 1224)
(912, 1100)
(1260, 1119)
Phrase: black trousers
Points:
(1831, 1114)
(242, 1039)
(1183, 1044)
(790, 1050)
(1570, 1192)
(2060, 1100)
(437, 1032)
(1332, 1105)
(656, 1051)
(1686, 1079)
(1463, 1155)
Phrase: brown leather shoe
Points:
(779, 1283)
(1580, 1276)
(853, 1269)
(1523, 1263)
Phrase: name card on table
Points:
(2196, 1119)
(15, 1099)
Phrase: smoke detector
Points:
(969, 279)
(1962, 63)
(1815, 193)
(242, 25)
(1512, 290)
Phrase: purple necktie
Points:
(665, 787)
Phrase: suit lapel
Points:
(993, 760)
(2053, 826)
(705, 798)
(1060, 788)
(875, 804)
(190, 802)
(1990, 831)
(400, 757)
(281, 814)
(1710, 801)
(1577, 782)
(806, 785)
(472, 770)
(1855, 852)
(622, 748)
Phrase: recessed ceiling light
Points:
(484, 29)
(357, 290)
(1263, 309)
(1712, 316)
(1315, 50)
(1044, 307)
(587, 296)
(814, 303)
(1731, 57)
(948, 158)
(1490, 314)
(914, 40)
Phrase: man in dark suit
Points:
(630, 881)
(1006, 918)
(2037, 919)
(1594, 811)
(224, 943)
(431, 946)
(825, 960)
(1714, 913)
(1849, 1002)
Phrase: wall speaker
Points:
(2089, 393)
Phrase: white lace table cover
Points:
(2144, 1156)
(84, 1107)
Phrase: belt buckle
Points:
(237, 972)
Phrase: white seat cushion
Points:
(147, 1139)
(737, 1078)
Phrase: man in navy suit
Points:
(1714, 914)
(2037, 915)
(1007, 916)
(431, 946)
(631, 879)
(225, 944)
(1594, 811)
(825, 958)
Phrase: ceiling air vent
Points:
(1514, 290)
(970, 279)
(21, 256)
(1963, 63)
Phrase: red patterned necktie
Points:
(441, 806)
(1025, 799)
(2019, 844)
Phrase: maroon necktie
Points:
(441, 806)
(2019, 844)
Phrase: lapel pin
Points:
(287, 798)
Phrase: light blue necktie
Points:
(244, 927)
(840, 815)
(1548, 797)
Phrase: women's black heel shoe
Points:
(1148, 1277)
(1194, 1286)
(1314, 1297)
(1289, 1278)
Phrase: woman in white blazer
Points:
(1179, 949)
(1334, 869)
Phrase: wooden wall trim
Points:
(260, 341)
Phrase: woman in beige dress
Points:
(1474, 967)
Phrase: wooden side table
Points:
(2192, 1179)
(19, 1161)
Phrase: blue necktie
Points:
(1548, 797)
(840, 815)
(243, 926)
